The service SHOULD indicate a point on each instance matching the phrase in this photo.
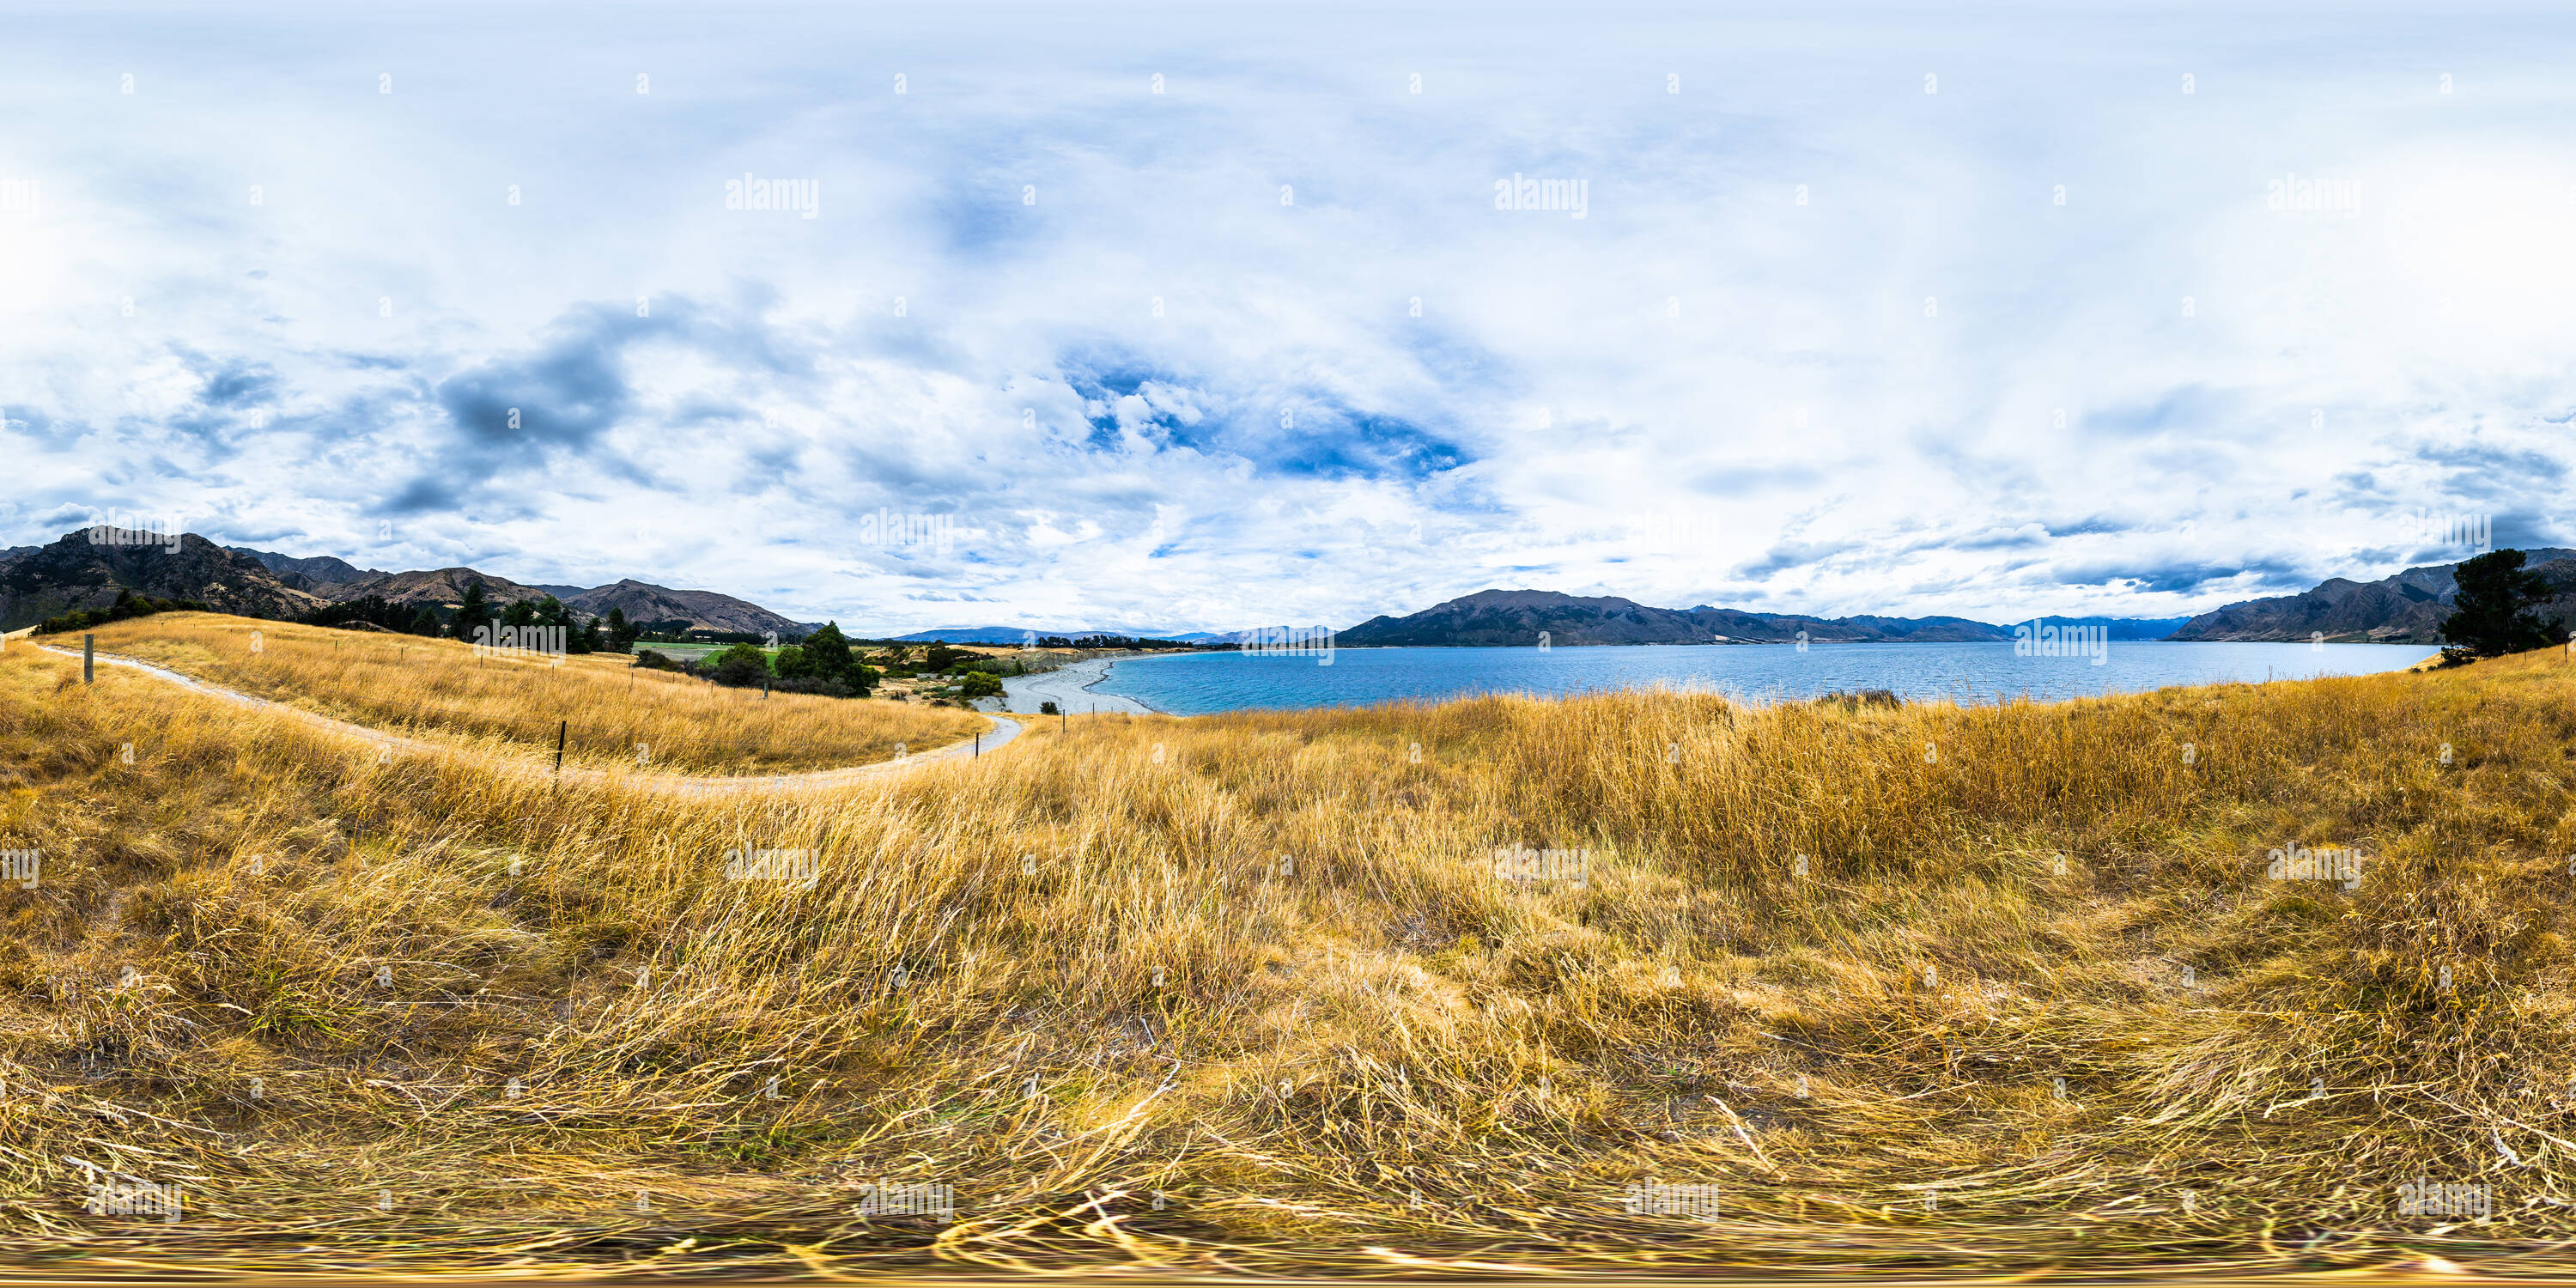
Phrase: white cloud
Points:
(1701, 391)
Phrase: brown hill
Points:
(439, 588)
(37, 582)
(701, 609)
(335, 580)
(76, 572)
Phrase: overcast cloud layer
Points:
(1205, 316)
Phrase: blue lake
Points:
(1200, 683)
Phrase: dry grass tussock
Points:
(1374, 1056)
(439, 689)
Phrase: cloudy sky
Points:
(1205, 316)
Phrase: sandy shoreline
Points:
(1069, 688)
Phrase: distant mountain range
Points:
(335, 580)
(37, 582)
(1021, 634)
(2407, 608)
(1516, 618)
(306, 574)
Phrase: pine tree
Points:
(2491, 612)
(471, 612)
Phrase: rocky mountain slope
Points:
(2407, 608)
(314, 575)
(37, 582)
(438, 587)
(78, 573)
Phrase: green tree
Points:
(739, 667)
(2491, 615)
(584, 640)
(621, 632)
(830, 651)
(980, 684)
(519, 613)
(425, 622)
(472, 611)
(793, 663)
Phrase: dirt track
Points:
(1004, 730)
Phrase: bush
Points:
(818, 687)
(739, 667)
(1865, 698)
(1046, 709)
(980, 684)
(794, 663)
(652, 660)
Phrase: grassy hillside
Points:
(1262, 967)
(440, 689)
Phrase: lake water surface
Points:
(1200, 683)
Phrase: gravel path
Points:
(1003, 731)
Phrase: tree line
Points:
(611, 633)
(821, 664)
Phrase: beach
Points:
(1066, 687)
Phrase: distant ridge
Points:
(37, 582)
(1516, 618)
(2407, 608)
(1513, 619)
(307, 574)
(1020, 634)
(703, 609)
(437, 587)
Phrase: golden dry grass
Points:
(1376, 1059)
(439, 689)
